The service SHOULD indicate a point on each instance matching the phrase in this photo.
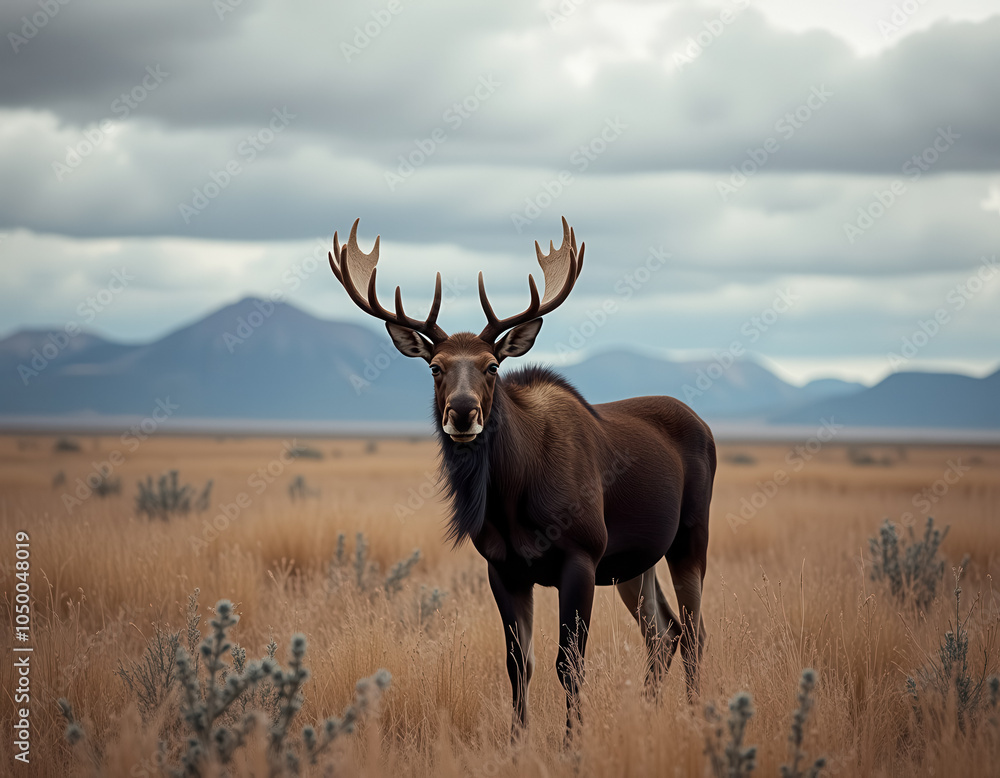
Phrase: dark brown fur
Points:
(551, 490)
(557, 492)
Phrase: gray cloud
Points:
(698, 116)
(600, 118)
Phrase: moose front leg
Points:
(516, 605)
(576, 601)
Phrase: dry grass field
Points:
(787, 588)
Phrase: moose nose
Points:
(462, 413)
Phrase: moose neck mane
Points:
(467, 467)
(501, 452)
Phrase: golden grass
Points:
(787, 590)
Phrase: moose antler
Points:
(561, 267)
(348, 262)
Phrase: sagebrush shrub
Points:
(913, 571)
(262, 697)
(728, 757)
(167, 497)
(298, 489)
(358, 570)
(953, 673)
(106, 485)
(151, 677)
(795, 738)
(213, 694)
(430, 603)
(304, 452)
(366, 573)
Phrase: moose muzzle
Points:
(463, 418)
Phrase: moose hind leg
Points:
(658, 623)
(516, 607)
(688, 573)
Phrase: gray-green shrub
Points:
(366, 573)
(728, 757)
(151, 678)
(167, 497)
(304, 452)
(797, 734)
(211, 689)
(912, 570)
(298, 489)
(953, 673)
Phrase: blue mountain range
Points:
(256, 359)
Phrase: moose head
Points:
(464, 365)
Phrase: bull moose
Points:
(553, 491)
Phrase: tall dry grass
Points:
(787, 590)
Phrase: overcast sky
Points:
(211, 149)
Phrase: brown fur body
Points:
(551, 490)
(605, 491)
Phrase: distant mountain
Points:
(822, 388)
(743, 389)
(290, 365)
(911, 400)
(259, 360)
(20, 348)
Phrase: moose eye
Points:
(492, 369)
(435, 370)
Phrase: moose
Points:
(553, 491)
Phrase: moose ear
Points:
(518, 341)
(409, 342)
